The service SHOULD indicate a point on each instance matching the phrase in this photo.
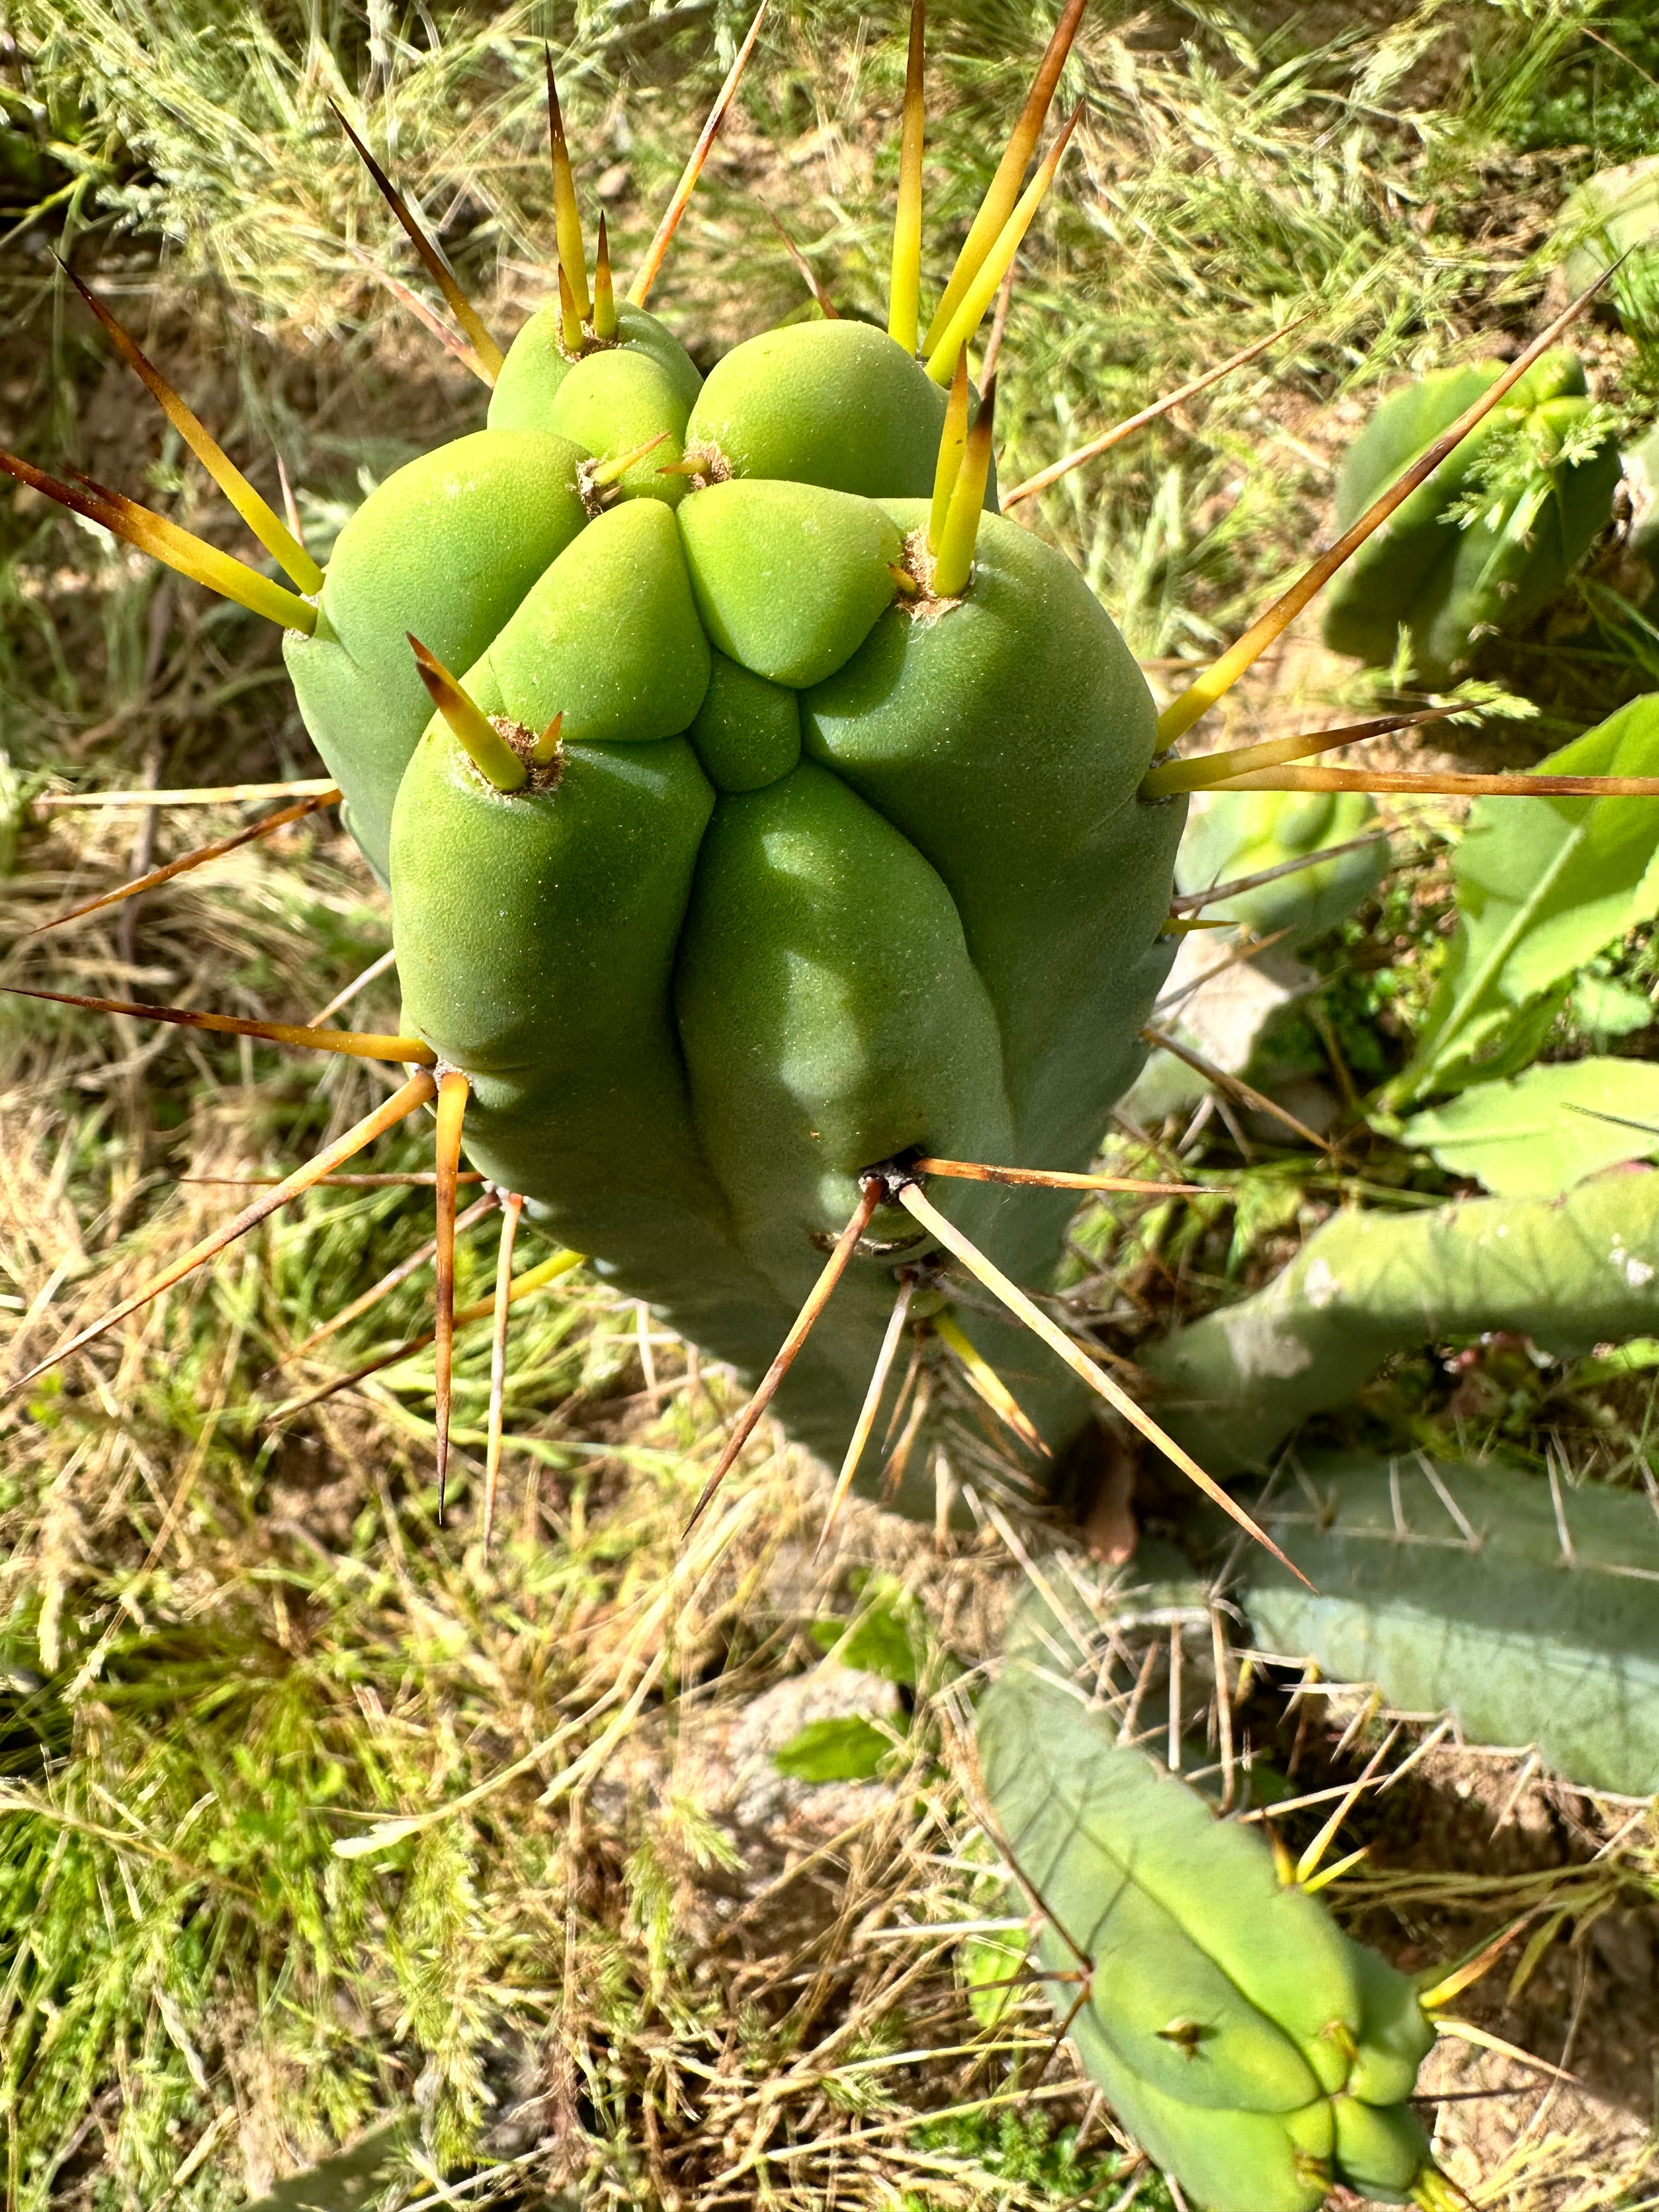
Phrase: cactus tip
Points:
(483, 744)
(1236, 1083)
(905, 294)
(601, 475)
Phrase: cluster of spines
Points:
(984, 266)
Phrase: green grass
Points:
(227, 1643)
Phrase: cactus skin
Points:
(1256, 2051)
(1243, 833)
(1449, 586)
(1568, 1272)
(818, 874)
(1521, 1642)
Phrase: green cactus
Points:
(768, 914)
(1528, 1611)
(1245, 833)
(1258, 2053)
(1491, 539)
(1568, 1272)
(1611, 215)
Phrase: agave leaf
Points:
(1531, 1614)
(1538, 1135)
(1543, 884)
(1568, 1273)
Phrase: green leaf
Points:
(1543, 884)
(1539, 1135)
(847, 1750)
(883, 1640)
(990, 1968)
(1604, 1009)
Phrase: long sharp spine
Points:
(604, 290)
(953, 437)
(904, 295)
(164, 541)
(1004, 190)
(487, 749)
(954, 563)
(484, 347)
(1037, 1322)
(646, 276)
(1222, 674)
(981, 287)
(281, 542)
(453, 1092)
(567, 215)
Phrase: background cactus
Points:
(1522, 1608)
(1568, 1273)
(1486, 546)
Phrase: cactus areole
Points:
(788, 860)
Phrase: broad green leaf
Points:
(1537, 1136)
(847, 1750)
(1543, 884)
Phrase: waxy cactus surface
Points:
(821, 869)
(1259, 2054)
